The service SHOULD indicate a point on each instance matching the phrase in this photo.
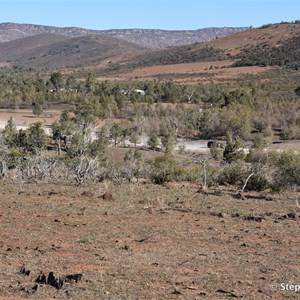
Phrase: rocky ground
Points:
(143, 241)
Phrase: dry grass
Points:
(189, 73)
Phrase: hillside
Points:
(147, 38)
(52, 51)
(276, 44)
(24, 47)
(157, 39)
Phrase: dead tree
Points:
(3, 162)
(202, 162)
(83, 167)
(200, 159)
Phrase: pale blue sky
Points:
(156, 14)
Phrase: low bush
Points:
(163, 169)
(286, 170)
(257, 183)
(233, 173)
(292, 133)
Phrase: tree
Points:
(21, 140)
(86, 114)
(36, 137)
(83, 167)
(116, 133)
(203, 163)
(71, 83)
(65, 116)
(233, 150)
(98, 147)
(10, 133)
(168, 141)
(153, 142)
(57, 134)
(200, 159)
(62, 129)
(37, 109)
(134, 160)
(134, 136)
(57, 81)
(79, 144)
(40, 84)
(90, 82)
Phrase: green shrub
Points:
(233, 150)
(260, 142)
(292, 133)
(190, 174)
(233, 173)
(163, 169)
(257, 183)
(286, 169)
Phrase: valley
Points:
(149, 164)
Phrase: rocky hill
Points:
(148, 38)
(156, 39)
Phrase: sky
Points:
(149, 14)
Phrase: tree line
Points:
(25, 156)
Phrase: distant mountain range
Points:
(47, 48)
(147, 38)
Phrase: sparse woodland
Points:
(241, 117)
(245, 115)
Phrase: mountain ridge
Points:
(274, 44)
(146, 38)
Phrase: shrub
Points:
(190, 174)
(233, 150)
(233, 173)
(292, 133)
(286, 169)
(216, 151)
(257, 183)
(181, 148)
(153, 142)
(163, 169)
(260, 142)
(13, 158)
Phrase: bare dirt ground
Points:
(199, 71)
(23, 117)
(148, 242)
